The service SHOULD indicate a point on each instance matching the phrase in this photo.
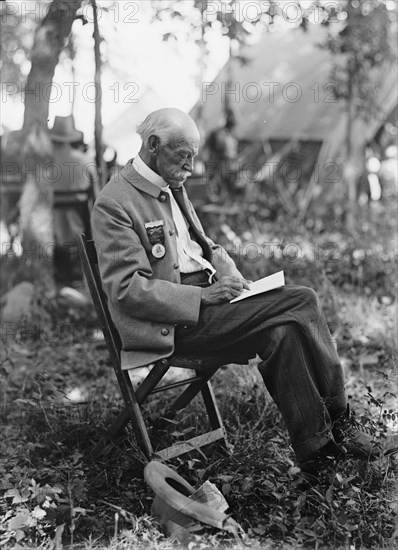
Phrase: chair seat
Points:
(207, 362)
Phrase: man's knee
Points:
(288, 333)
(308, 296)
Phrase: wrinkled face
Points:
(174, 160)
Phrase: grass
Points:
(58, 393)
(103, 502)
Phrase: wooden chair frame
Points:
(204, 367)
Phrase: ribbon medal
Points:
(155, 234)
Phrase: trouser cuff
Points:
(336, 405)
(311, 446)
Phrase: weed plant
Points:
(59, 394)
(54, 489)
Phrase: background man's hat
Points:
(64, 131)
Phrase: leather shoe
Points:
(320, 464)
(349, 434)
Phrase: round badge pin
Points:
(158, 250)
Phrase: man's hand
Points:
(223, 290)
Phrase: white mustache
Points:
(184, 174)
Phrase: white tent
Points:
(284, 93)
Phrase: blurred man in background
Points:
(75, 189)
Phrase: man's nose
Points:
(188, 164)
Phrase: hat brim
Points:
(158, 476)
(69, 138)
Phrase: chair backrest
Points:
(80, 201)
(89, 260)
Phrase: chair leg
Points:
(217, 435)
(214, 413)
(132, 412)
(211, 406)
(151, 381)
(139, 425)
(186, 397)
(118, 425)
(124, 417)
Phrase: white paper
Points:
(263, 285)
(210, 495)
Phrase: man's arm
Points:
(126, 273)
(222, 261)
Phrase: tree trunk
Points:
(36, 149)
(350, 172)
(99, 149)
(72, 53)
(202, 66)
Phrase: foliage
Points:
(18, 24)
(17, 39)
(228, 18)
(205, 16)
(235, 20)
(34, 510)
(49, 467)
(363, 53)
(363, 44)
(261, 243)
(59, 393)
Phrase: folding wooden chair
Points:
(204, 367)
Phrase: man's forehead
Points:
(182, 143)
(184, 134)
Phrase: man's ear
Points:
(153, 144)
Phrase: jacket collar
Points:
(147, 172)
(139, 182)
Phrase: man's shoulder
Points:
(119, 183)
(128, 182)
(115, 198)
(122, 189)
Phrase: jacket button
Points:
(176, 266)
(171, 232)
(162, 197)
(165, 331)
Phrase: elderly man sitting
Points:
(169, 289)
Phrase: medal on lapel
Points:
(155, 232)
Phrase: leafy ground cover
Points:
(58, 394)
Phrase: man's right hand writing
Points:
(223, 290)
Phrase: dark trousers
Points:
(299, 363)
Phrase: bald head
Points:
(167, 124)
(170, 141)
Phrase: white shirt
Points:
(189, 252)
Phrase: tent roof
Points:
(121, 133)
(292, 64)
